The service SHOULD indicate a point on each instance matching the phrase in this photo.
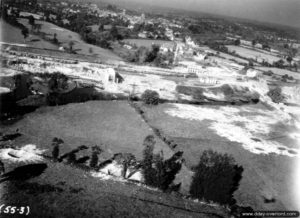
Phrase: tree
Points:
(55, 40)
(25, 33)
(157, 171)
(71, 44)
(150, 97)
(237, 42)
(289, 59)
(31, 21)
(127, 161)
(279, 63)
(55, 143)
(276, 95)
(266, 47)
(2, 168)
(4, 13)
(142, 54)
(254, 42)
(96, 150)
(57, 82)
(153, 53)
(114, 32)
(295, 66)
(216, 178)
(38, 27)
(293, 52)
(101, 27)
(148, 171)
(103, 43)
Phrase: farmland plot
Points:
(248, 53)
(265, 142)
(12, 35)
(147, 42)
(64, 36)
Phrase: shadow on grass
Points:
(35, 40)
(36, 188)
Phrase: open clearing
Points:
(248, 53)
(12, 35)
(260, 140)
(64, 36)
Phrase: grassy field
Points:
(12, 35)
(64, 36)
(266, 174)
(236, 59)
(280, 72)
(65, 191)
(114, 125)
(249, 53)
(105, 123)
(147, 42)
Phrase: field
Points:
(280, 72)
(260, 140)
(113, 125)
(236, 59)
(249, 53)
(64, 36)
(146, 42)
(12, 35)
(105, 124)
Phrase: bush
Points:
(52, 99)
(268, 73)
(57, 82)
(158, 172)
(276, 95)
(287, 77)
(55, 144)
(150, 97)
(216, 178)
(96, 150)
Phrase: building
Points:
(168, 46)
(106, 76)
(190, 42)
(111, 76)
(251, 73)
(209, 80)
(142, 35)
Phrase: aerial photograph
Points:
(161, 108)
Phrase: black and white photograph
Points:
(149, 108)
